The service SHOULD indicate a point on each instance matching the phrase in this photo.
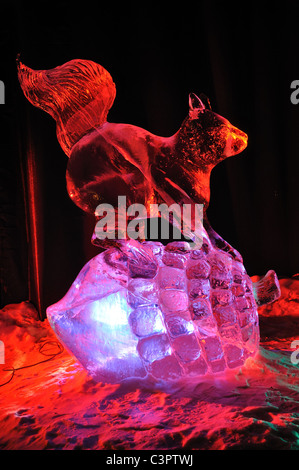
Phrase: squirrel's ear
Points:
(196, 106)
(206, 101)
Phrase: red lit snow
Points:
(55, 405)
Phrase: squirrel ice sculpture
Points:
(142, 309)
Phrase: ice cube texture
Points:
(192, 314)
(143, 309)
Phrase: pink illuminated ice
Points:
(142, 309)
(168, 326)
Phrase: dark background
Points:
(243, 55)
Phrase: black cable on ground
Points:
(41, 351)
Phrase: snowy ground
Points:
(55, 405)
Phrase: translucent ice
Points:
(146, 321)
(168, 327)
(142, 292)
(198, 288)
(177, 326)
(141, 309)
(111, 159)
(171, 278)
(153, 348)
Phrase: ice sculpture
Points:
(142, 309)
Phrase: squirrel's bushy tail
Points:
(77, 94)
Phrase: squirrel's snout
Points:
(236, 142)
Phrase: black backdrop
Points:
(244, 56)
